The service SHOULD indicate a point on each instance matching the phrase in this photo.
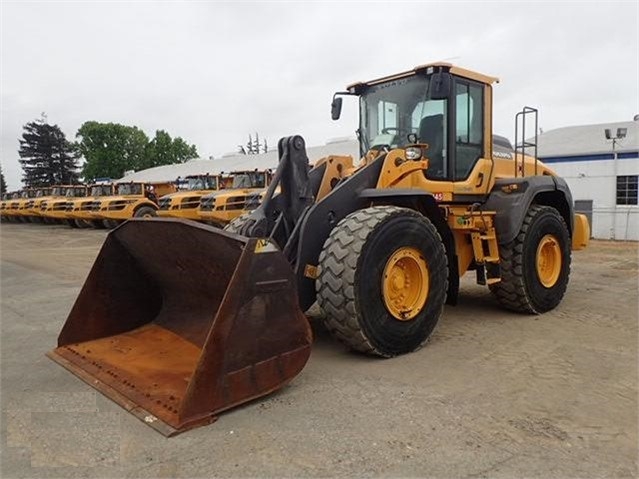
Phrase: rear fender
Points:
(511, 199)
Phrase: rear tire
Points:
(352, 282)
(522, 287)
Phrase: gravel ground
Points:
(493, 394)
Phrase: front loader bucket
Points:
(178, 321)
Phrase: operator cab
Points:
(441, 106)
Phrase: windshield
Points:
(390, 111)
(202, 183)
(248, 180)
(101, 190)
(129, 189)
(57, 191)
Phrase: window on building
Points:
(627, 190)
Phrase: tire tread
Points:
(337, 267)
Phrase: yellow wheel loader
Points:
(185, 203)
(241, 192)
(178, 321)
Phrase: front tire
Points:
(382, 283)
(535, 266)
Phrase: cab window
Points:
(429, 122)
(469, 131)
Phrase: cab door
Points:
(469, 141)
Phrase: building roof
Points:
(587, 140)
(239, 162)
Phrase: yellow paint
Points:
(548, 260)
(581, 232)
(131, 202)
(337, 167)
(405, 283)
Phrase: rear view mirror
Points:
(440, 85)
(336, 108)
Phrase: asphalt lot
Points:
(494, 394)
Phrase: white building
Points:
(603, 182)
(238, 162)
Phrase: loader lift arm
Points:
(298, 224)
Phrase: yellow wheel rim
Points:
(405, 284)
(548, 261)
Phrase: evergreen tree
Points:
(253, 147)
(46, 157)
(3, 183)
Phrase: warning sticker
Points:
(263, 245)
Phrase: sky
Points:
(213, 72)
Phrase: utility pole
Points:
(621, 133)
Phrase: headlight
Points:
(413, 153)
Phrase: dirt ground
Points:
(493, 394)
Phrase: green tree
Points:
(182, 151)
(3, 183)
(110, 149)
(163, 150)
(46, 157)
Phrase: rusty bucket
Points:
(178, 321)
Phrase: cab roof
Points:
(462, 72)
